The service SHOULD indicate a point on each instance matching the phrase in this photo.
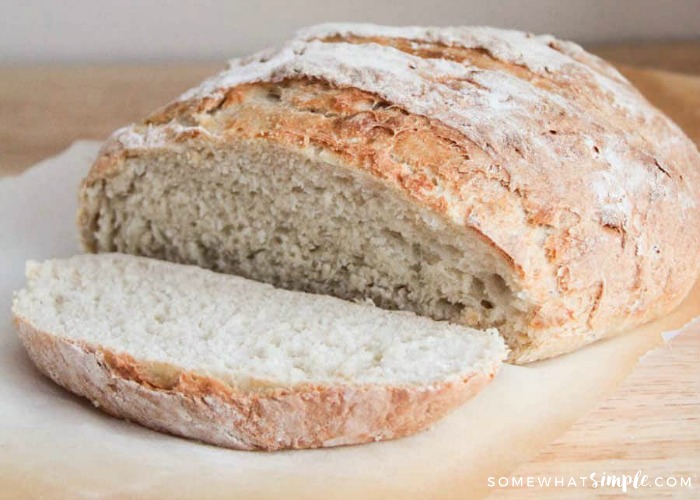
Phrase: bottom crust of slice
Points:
(205, 409)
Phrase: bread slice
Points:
(239, 363)
(487, 177)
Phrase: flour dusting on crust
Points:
(493, 108)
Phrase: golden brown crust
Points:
(597, 231)
(200, 407)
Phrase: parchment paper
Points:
(55, 445)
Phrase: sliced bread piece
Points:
(239, 363)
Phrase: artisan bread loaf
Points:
(486, 177)
(239, 363)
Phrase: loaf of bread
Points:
(241, 364)
(490, 178)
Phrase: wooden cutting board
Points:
(650, 423)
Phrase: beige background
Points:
(34, 31)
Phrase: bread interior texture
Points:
(298, 221)
(247, 334)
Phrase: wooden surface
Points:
(44, 109)
(652, 422)
(679, 57)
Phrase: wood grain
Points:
(652, 422)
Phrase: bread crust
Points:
(586, 192)
(202, 408)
